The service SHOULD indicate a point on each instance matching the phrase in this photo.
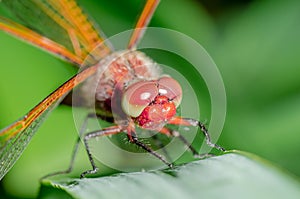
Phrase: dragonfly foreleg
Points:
(161, 145)
(196, 123)
(135, 140)
(174, 133)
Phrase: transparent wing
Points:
(36, 39)
(15, 138)
(142, 23)
(63, 22)
(11, 149)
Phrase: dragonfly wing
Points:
(30, 15)
(11, 150)
(36, 39)
(63, 22)
(15, 138)
(142, 23)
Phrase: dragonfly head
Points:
(152, 103)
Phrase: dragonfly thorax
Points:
(121, 69)
(115, 73)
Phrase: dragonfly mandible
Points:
(147, 98)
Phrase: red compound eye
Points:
(143, 94)
(170, 88)
(138, 96)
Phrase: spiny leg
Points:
(133, 139)
(151, 151)
(177, 134)
(192, 122)
(104, 132)
(160, 144)
(170, 132)
(193, 150)
(75, 149)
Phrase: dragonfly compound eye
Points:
(170, 88)
(138, 96)
(154, 101)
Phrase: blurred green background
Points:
(255, 45)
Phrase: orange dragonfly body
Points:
(145, 97)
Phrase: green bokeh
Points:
(256, 47)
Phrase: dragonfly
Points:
(128, 81)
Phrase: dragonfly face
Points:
(152, 103)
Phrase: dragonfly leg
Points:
(142, 22)
(170, 132)
(75, 149)
(192, 122)
(151, 151)
(159, 143)
(104, 132)
(134, 140)
(196, 154)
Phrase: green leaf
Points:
(232, 175)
